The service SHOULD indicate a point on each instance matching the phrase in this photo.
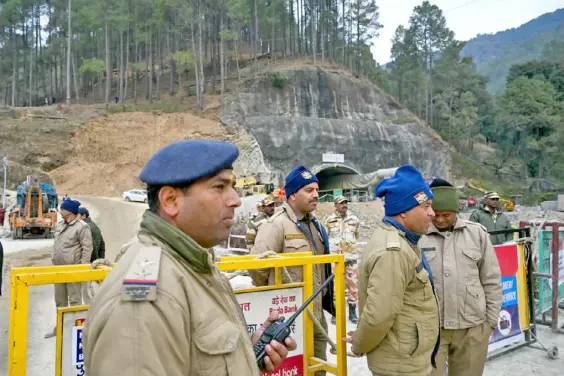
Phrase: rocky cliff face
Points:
(298, 114)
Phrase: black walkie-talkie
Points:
(279, 330)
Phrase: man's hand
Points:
(275, 351)
(350, 339)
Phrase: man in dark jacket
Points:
(98, 249)
(99, 246)
(492, 218)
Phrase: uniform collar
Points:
(177, 243)
(292, 215)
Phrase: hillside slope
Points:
(494, 54)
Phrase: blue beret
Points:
(403, 191)
(71, 205)
(184, 162)
(298, 178)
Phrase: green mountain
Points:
(495, 53)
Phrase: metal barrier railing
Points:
(550, 291)
(23, 278)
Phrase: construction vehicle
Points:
(35, 211)
(508, 205)
(249, 186)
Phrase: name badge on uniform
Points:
(140, 282)
(294, 236)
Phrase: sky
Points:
(467, 18)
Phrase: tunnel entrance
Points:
(336, 179)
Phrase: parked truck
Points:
(35, 211)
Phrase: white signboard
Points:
(257, 306)
(72, 351)
(333, 158)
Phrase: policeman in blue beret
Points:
(165, 309)
(294, 228)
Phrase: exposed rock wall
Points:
(298, 114)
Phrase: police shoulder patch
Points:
(140, 281)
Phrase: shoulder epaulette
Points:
(276, 214)
(476, 224)
(140, 281)
(393, 240)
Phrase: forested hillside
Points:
(524, 122)
(63, 50)
(494, 54)
(78, 51)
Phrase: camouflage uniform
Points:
(342, 239)
(259, 219)
(253, 227)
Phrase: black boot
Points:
(352, 313)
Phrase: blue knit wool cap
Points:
(184, 162)
(298, 178)
(71, 205)
(403, 191)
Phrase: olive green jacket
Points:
(493, 222)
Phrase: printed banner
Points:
(257, 306)
(508, 328)
(72, 351)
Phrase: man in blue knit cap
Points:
(293, 228)
(73, 245)
(165, 309)
(398, 327)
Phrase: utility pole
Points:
(69, 54)
(5, 160)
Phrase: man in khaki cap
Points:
(342, 228)
(492, 218)
(467, 284)
(267, 207)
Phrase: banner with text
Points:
(257, 306)
(72, 357)
(508, 328)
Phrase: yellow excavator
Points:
(248, 186)
(508, 205)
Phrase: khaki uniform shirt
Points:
(73, 243)
(193, 327)
(466, 273)
(343, 234)
(281, 235)
(399, 321)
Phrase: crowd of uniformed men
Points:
(427, 283)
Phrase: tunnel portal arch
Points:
(333, 177)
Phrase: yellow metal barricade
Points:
(23, 278)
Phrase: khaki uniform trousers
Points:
(68, 294)
(86, 293)
(465, 349)
(351, 281)
(320, 344)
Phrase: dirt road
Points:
(119, 221)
